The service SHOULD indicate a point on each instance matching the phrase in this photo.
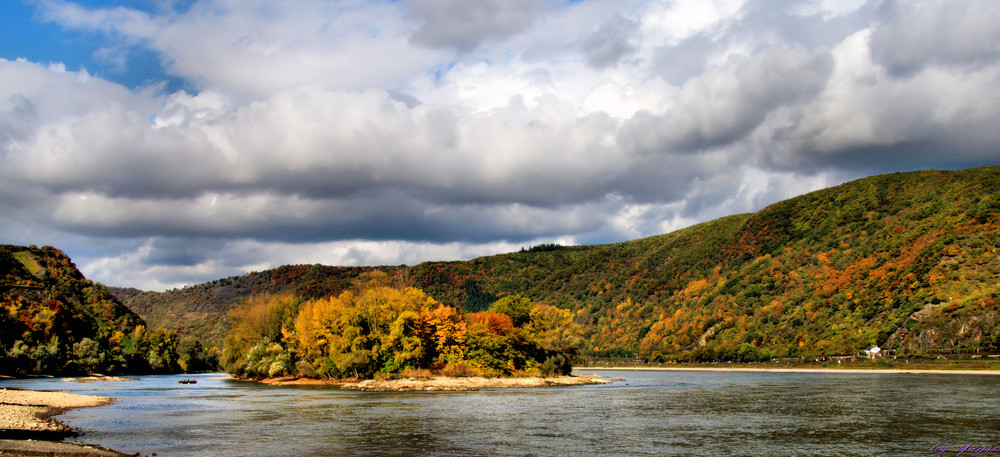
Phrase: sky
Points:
(163, 143)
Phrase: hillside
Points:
(55, 321)
(51, 312)
(202, 311)
(906, 261)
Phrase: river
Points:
(704, 413)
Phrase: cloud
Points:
(123, 22)
(465, 25)
(610, 43)
(912, 35)
(868, 119)
(725, 103)
(389, 132)
(250, 49)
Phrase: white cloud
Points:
(668, 23)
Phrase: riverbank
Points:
(441, 383)
(27, 427)
(764, 368)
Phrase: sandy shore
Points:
(26, 426)
(440, 383)
(798, 370)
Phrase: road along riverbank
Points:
(797, 370)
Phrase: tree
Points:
(557, 337)
(88, 355)
(261, 319)
(377, 329)
(515, 306)
(748, 353)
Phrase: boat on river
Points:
(187, 381)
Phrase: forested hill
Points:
(54, 321)
(907, 261)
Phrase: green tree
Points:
(88, 355)
(748, 353)
(515, 306)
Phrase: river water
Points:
(703, 413)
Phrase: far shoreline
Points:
(798, 370)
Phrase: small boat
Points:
(187, 381)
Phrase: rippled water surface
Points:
(648, 413)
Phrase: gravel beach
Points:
(26, 427)
(441, 383)
(444, 383)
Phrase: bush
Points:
(556, 365)
(269, 360)
(460, 370)
(304, 368)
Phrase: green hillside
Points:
(55, 321)
(907, 261)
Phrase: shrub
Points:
(556, 365)
(460, 370)
(416, 373)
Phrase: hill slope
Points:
(54, 320)
(906, 260)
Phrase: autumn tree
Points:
(377, 329)
(263, 319)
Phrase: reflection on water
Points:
(650, 413)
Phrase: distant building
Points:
(873, 352)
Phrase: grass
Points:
(29, 262)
